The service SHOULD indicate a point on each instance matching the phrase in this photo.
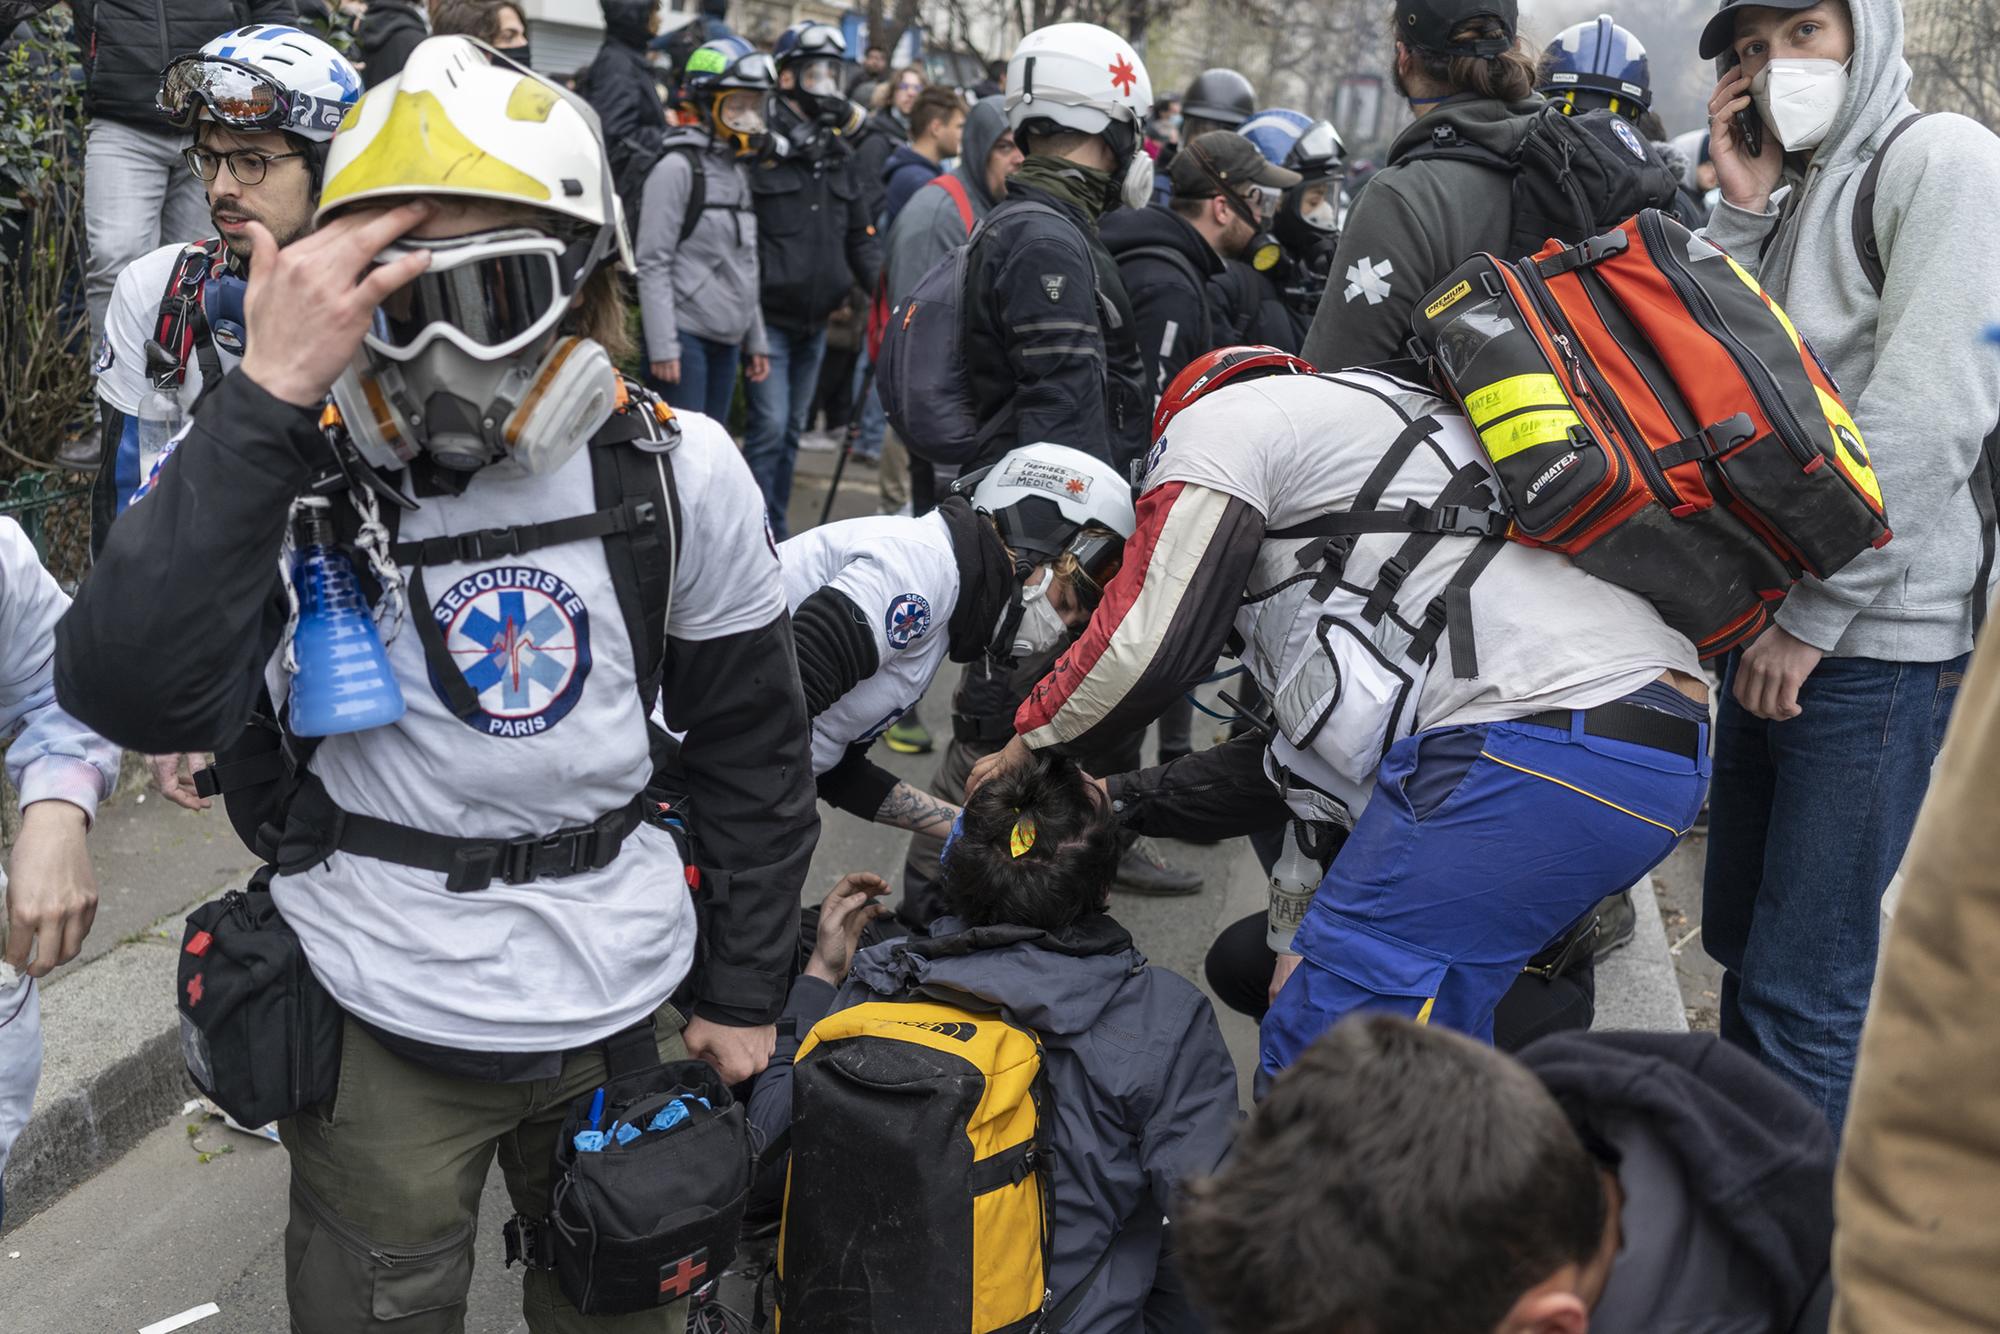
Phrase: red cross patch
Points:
(1123, 76)
(679, 1278)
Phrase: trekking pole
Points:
(852, 438)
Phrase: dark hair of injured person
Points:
(1038, 846)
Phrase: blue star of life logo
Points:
(521, 638)
(908, 619)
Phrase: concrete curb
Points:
(1637, 986)
(112, 1073)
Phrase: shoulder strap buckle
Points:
(1388, 582)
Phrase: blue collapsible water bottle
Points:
(343, 682)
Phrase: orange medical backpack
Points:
(1652, 414)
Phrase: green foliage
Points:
(44, 357)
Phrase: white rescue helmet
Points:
(456, 121)
(1050, 500)
(1081, 77)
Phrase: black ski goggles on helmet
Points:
(490, 294)
(240, 96)
(1099, 554)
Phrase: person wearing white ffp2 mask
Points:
(1798, 99)
(1869, 224)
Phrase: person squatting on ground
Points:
(1402, 1180)
(1141, 1089)
(1830, 721)
(697, 238)
(447, 1058)
(1577, 742)
(1008, 565)
(62, 770)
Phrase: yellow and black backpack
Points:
(917, 1200)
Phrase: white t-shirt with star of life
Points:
(129, 321)
(561, 739)
(902, 574)
(1294, 447)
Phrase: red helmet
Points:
(1226, 365)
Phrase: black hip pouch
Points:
(260, 1035)
(653, 1215)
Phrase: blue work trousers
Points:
(1479, 846)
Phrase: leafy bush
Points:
(44, 325)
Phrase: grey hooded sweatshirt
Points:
(929, 227)
(1144, 1091)
(1913, 366)
(707, 285)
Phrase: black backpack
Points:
(1575, 177)
(1174, 259)
(923, 372)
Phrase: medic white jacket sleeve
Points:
(1162, 624)
(54, 757)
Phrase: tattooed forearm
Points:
(919, 812)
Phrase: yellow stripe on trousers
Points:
(1580, 792)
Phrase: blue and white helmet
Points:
(1600, 57)
(1297, 142)
(265, 76)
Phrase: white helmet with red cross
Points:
(1080, 77)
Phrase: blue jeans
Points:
(1806, 827)
(1479, 846)
(708, 377)
(778, 410)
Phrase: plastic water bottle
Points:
(1294, 878)
(160, 416)
(343, 683)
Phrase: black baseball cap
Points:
(1222, 160)
(1428, 25)
(1721, 30)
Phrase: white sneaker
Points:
(817, 442)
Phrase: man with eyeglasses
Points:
(263, 102)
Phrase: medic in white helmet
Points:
(477, 885)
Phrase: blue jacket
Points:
(906, 172)
(1144, 1091)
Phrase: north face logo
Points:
(1052, 283)
(959, 1032)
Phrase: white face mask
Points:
(1798, 99)
(1041, 627)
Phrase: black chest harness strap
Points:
(639, 523)
(1463, 509)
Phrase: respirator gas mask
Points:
(466, 364)
(1135, 180)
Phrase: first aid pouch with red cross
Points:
(260, 1035)
(650, 1211)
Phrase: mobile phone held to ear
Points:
(1749, 131)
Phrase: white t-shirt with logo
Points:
(560, 740)
(903, 575)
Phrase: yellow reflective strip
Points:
(1515, 434)
(1855, 462)
(1424, 1015)
(1512, 394)
(530, 101)
(1580, 792)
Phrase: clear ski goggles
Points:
(240, 96)
(489, 294)
(1319, 148)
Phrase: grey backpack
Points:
(921, 371)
